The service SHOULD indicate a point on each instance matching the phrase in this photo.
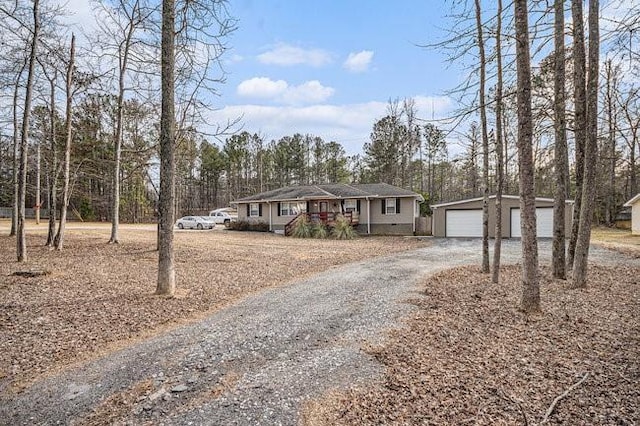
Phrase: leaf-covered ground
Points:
(468, 356)
(98, 297)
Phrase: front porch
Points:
(326, 218)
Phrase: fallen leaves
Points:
(99, 297)
(468, 356)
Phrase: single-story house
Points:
(376, 208)
(464, 218)
(634, 203)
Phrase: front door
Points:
(324, 206)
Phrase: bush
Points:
(243, 225)
(342, 229)
(318, 230)
(302, 228)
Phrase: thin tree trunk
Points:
(59, 240)
(591, 151)
(580, 102)
(16, 150)
(558, 258)
(37, 202)
(21, 240)
(530, 301)
(497, 247)
(124, 58)
(611, 118)
(53, 172)
(485, 143)
(166, 270)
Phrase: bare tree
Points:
(119, 25)
(59, 239)
(485, 141)
(591, 150)
(558, 258)
(530, 301)
(497, 247)
(166, 270)
(580, 116)
(21, 241)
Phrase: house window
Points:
(390, 206)
(350, 205)
(293, 208)
(254, 209)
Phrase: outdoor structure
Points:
(376, 208)
(464, 218)
(634, 203)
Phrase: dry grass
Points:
(99, 297)
(620, 240)
(468, 356)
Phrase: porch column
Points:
(270, 224)
(368, 216)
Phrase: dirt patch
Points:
(99, 297)
(468, 356)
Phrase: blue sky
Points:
(329, 67)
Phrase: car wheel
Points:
(199, 226)
(227, 223)
(180, 226)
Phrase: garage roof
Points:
(513, 197)
(632, 201)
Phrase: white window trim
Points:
(293, 208)
(387, 206)
(256, 211)
(353, 207)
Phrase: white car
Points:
(195, 222)
(222, 218)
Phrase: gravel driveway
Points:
(257, 361)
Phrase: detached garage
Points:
(464, 218)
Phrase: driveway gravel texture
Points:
(257, 361)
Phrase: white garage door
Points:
(544, 222)
(463, 223)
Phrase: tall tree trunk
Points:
(611, 119)
(122, 69)
(21, 240)
(591, 151)
(59, 240)
(166, 271)
(485, 143)
(53, 172)
(558, 258)
(497, 247)
(580, 116)
(38, 200)
(16, 150)
(530, 301)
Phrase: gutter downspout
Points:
(368, 215)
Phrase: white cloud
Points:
(280, 91)
(358, 62)
(262, 87)
(348, 124)
(287, 55)
(307, 93)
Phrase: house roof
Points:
(330, 191)
(632, 201)
(512, 197)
